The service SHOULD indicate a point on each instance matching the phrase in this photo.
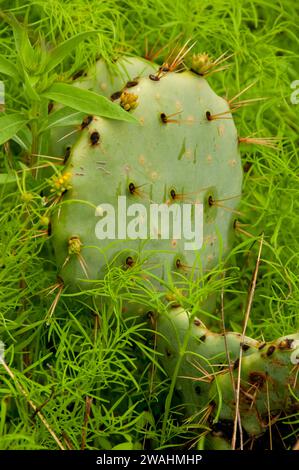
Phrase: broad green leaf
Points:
(65, 116)
(87, 101)
(123, 446)
(29, 87)
(145, 418)
(5, 178)
(23, 138)
(43, 143)
(64, 49)
(8, 68)
(24, 48)
(10, 125)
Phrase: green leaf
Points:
(123, 446)
(23, 138)
(87, 101)
(29, 87)
(64, 49)
(24, 48)
(65, 116)
(6, 178)
(8, 68)
(104, 443)
(10, 125)
(128, 445)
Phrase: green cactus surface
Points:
(205, 364)
(183, 150)
(105, 80)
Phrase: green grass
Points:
(85, 355)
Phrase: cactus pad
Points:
(180, 151)
(268, 370)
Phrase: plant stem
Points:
(35, 136)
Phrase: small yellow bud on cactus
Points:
(74, 246)
(174, 297)
(201, 63)
(128, 101)
(60, 183)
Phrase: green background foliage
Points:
(93, 356)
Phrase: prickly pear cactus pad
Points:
(183, 150)
(199, 360)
